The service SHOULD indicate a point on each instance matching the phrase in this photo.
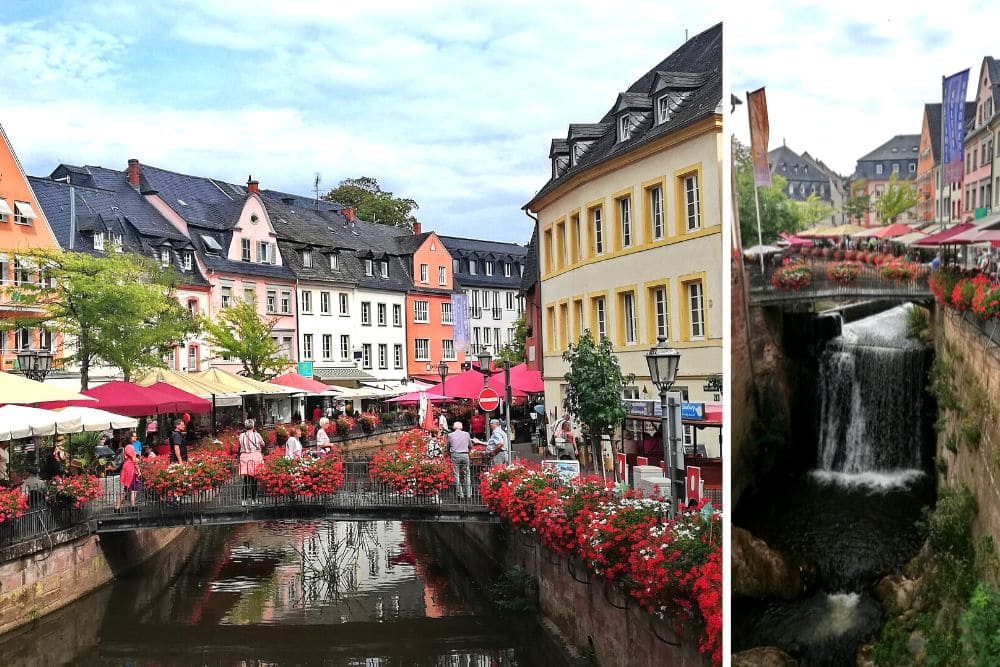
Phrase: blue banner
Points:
(953, 126)
(460, 317)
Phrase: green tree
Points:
(857, 206)
(900, 197)
(371, 202)
(242, 333)
(513, 351)
(594, 385)
(814, 210)
(119, 308)
(778, 212)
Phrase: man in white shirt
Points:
(442, 422)
(498, 444)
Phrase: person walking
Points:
(178, 442)
(130, 478)
(135, 444)
(442, 422)
(251, 458)
(498, 444)
(293, 446)
(322, 437)
(317, 413)
(477, 425)
(458, 446)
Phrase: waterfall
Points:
(871, 389)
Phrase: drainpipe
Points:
(72, 217)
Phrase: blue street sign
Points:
(692, 411)
(305, 369)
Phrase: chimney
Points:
(348, 214)
(252, 185)
(134, 172)
(416, 226)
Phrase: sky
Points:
(451, 104)
(842, 79)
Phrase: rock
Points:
(865, 657)
(762, 572)
(763, 656)
(897, 591)
(916, 645)
(919, 563)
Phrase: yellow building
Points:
(630, 226)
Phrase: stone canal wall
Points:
(42, 576)
(589, 619)
(968, 440)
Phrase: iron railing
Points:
(869, 284)
(38, 521)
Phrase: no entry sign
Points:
(489, 400)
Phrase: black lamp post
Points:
(442, 373)
(34, 365)
(663, 362)
(485, 361)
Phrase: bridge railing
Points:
(869, 282)
(40, 520)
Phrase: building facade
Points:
(630, 226)
(530, 291)
(897, 157)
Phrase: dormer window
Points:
(188, 261)
(624, 128)
(165, 257)
(98, 240)
(119, 243)
(472, 267)
(384, 268)
(334, 262)
(489, 268)
(506, 269)
(307, 259)
(668, 103)
(245, 249)
(368, 267)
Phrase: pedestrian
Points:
(293, 446)
(477, 424)
(178, 442)
(565, 440)
(322, 437)
(442, 422)
(499, 444)
(33, 487)
(135, 444)
(458, 446)
(130, 479)
(317, 413)
(4, 463)
(251, 458)
(652, 445)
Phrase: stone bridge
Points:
(870, 284)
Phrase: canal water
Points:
(287, 593)
(853, 515)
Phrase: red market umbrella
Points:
(945, 237)
(183, 401)
(464, 385)
(296, 381)
(522, 381)
(123, 398)
(892, 231)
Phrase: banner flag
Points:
(460, 317)
(953, 126)
(759, 136)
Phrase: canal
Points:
(289, 593)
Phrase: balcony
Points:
(497, 313)
(475, 313)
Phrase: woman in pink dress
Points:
(130, 478)
(251, 458)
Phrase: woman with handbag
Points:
(251, 458)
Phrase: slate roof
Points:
(341, 373)
(699, 63)
(475, 249)
(530, 277)
(900, 147)
(219, 262)
(784, 161)
(199, 200)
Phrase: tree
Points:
(371, 202)
(513, 351)
(119, 308)
(242, 333)
(594, 385)
(857, 206)
(814, 210)
(778, 212)
(900, 197)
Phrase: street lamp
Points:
(33, 364)
(663, 362)
(485, 361)
(442, 373)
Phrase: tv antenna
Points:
(317, 177)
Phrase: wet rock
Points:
(763, 656)
(916, 645)
(919, 563)
(897, 591)
(866, 655)
(761, 572)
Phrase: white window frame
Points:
(272, 301)
(307, 259)
(286, 303)
(19, 216)
(397, 355)
(397, 315)
(447, 316)
(366, 356)
(442, 275)
(601, 310)
(508, 267)
(656, 212)
(99, 241)
(324, 303)
(327, 342)
(366, 313)
(625, 210)
(384, 268)
(343, 304)
(369, 267)
(448, 349)
(165, 257)
(307, 301)
(382, 315)
(245, 250)
(262, 252)
(628, 318)
(662, 109)
(473, 267)
(692, 202)
(424, 275)
(188, 260)
(695, 293)
(334, 261)
(878, 169)
(624, 128)
(424, 343)
(421, 312)
(661, 312)
(383, 355)
(597, 224)
(226, 296)
(345, 347)
(307, 346)
(489, 268)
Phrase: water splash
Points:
(872, 481)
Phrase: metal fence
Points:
(38, 521)
(869, 283)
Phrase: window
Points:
(692, 202)
(423, 273)
(383, 319)
(327, 347)
(366, 313)
(262, 254)
(366, 355)
(307, 259)
(420, 311)
(656, 211)
(489, 267)
(22, 339)
(913, 167)
(324, 303)
(286, 303)
(696, 309)
(510, 301)
(473, 267)
(272, 301)
(368, 267)
(456, 266)
(343, 305)
(658, 313)
(383, 355)
(227, 296)
(486, 336)
(448, 349)
(334, 262)
(307, 346)
(446, 314)
(4, 268)
(164, 257)
(507, 269)
(98, 240)
(442, 276)
(662, 109)
(397, 356)
(345, 348)
(249, 292)
(188, 260)
(245, 249)
(625, 217)
(576, 249)
(624, 128)
(627, 331)
(307, 301)
(45, 340)
(4, 212)
(598, 227)
(600, 317)
(878, 169)
(22, 271)
(422, 349)
(23, 213)
(192, 305)
(895, 167)
(397, 315)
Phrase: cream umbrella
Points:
(18, 418)
(18, 390)
(92, 419)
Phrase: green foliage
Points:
(918, 322)
(949, 525)
(943, 384)
(857, 206)
(942, 466)
(778, 212)
(514, 351)
(814, 210)
(371, 202)
(242, 333)
(119, 308)
(972, 430)
(980, 626)
(900, 197)
(516, 591)
(595, 384)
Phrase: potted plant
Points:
(64, 493)
(410, 469)
(369, 421)
(305, 476)
(13, 503)
(344, 425)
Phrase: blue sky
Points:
(452, 104)
(843, 79)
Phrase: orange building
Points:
(430, 319)
(22, 226)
